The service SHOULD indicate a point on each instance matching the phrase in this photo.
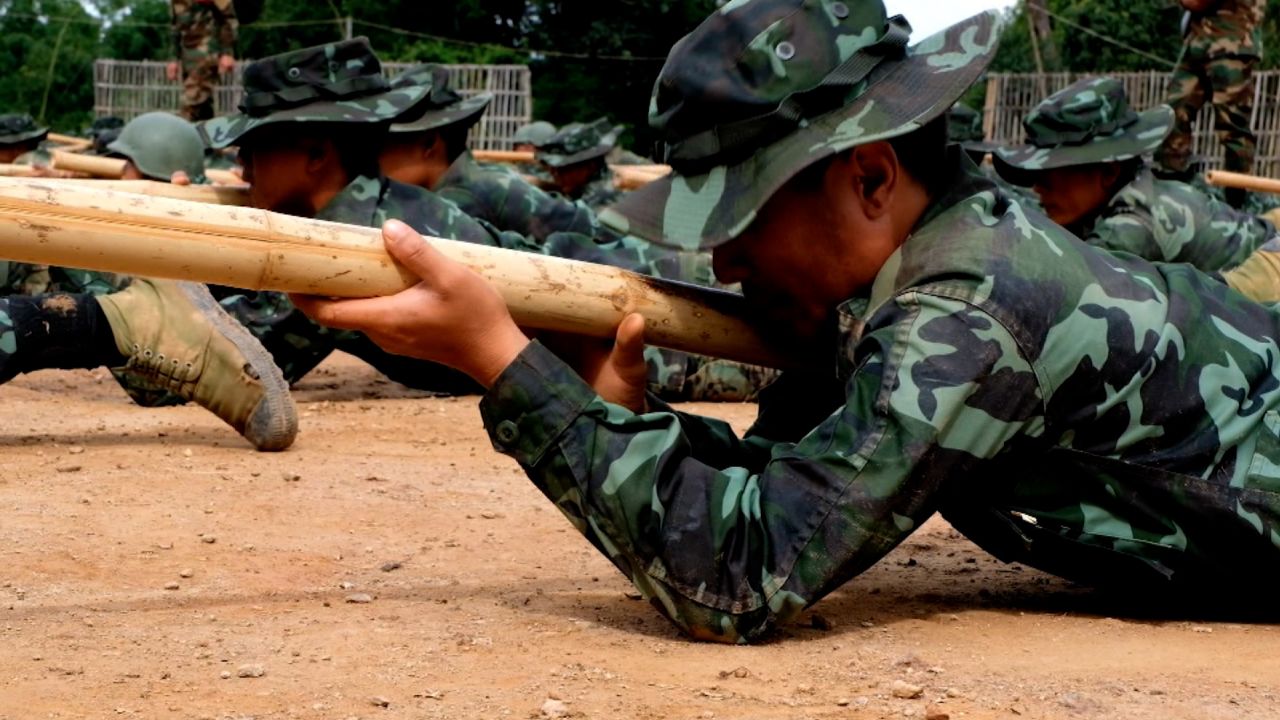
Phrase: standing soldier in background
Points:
(1223, 43)
(204, 33)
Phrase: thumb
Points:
(628, 349)
(413, 251)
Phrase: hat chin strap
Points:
(725, 143)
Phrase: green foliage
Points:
(49, 65)
(1153, 26)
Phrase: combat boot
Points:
(177, 337)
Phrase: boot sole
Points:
(273, 426)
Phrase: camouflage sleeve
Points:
(727, 549)
(515, 205)
(179, 19)
(1184, 230)
(224, 40)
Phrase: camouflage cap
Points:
(20, 127)
(1088, 122)
(764, 88)
(535, 133)
(341, 82)
(105, 123)
(578, 142)
(444, 106)
(964, 126)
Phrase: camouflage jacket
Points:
(1095, 415)
(1169, 221)
(509, 202)
(370, 202)
(601, 192)
(204, 28)
(1233, 27)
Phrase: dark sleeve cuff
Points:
(532, 403)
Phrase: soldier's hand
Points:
(615, 369)
(226, 64)
(454, 316)
(171, 71)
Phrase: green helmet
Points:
(535, 133)
(160, 144)
(19, 128)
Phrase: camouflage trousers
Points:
(199, 76)
(1227, 82)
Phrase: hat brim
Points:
(699, 212)
(37, 134)
(607, 143)
(466, 112)
(1019, 165)
(383, 107)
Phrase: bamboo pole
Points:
(230, 195)
(73, 224)
(224, 177)
(103, 167)
(1222, 178)
(503, 156)
(70, 143)
(10, 170)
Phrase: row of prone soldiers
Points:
(322, 134)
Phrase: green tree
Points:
(48, 48)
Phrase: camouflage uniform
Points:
(508, 201)
(1090, 122)
(964, 127)
(585, 142)
(1104, 418)
(1221, 48)
(203, 30)
(342, 83)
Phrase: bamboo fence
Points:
(1010, 96)
(128, 89)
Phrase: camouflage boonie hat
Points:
(444, 106)
(341, 82)
(1088, 122)
(578, 142)
(764, 88)
(964, 127)
(535, 133)
(18, 128)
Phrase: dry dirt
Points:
(150, 559)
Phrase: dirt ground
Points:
(392, 565)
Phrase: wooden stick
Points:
(74, 225)
(230, 195)
(223, 177)
(503, 156)
(1222, 178)
(10, 170)
(70, 143)
(103, 167)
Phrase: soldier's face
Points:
(817, 242)
(277, 176)
(9, 153)
(1072, 194)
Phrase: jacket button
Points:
(508, 432)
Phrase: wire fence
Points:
(127, 89)
(1010, 96)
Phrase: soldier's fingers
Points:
(362, 314)
(414, 252)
